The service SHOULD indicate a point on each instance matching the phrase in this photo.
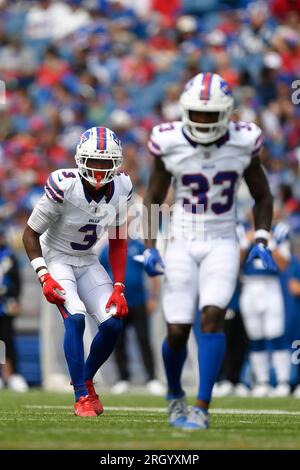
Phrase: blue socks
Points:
(211, 351)
(73, 347)
(102, 346)
(174, 361)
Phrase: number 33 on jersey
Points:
(207, 175)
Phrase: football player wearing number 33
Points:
(206, 155)
(78, 207)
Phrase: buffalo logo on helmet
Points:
(84, 137)
(225, 88)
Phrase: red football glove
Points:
(117, 298)
(51, 289)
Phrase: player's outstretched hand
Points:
(117, 298)
(52, 290)
(153, 264)
(259, 250)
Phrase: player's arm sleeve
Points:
(44, 213)
(117, 258)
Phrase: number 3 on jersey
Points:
(90, 238)
(200, 186)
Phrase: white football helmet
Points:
(98, 143)
(206, 92)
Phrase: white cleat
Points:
(280, 391)
(177, 411)
(155, 387)
(241, 390)
(296, 392)
(197, 420)
(17, 383)
(120, 387)
(223, 389)
(260, 390)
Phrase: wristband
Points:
(37, 263)
(119, 284)
(261, 233)
(42, 272)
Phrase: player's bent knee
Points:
(177, 335)
(75, 321)
(112, 325)
(212, 319)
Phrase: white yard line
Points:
(223, 411)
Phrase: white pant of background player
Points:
(263, 312)
(198, 273)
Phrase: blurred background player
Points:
(10, 289)
(207, 155)
(263, 311)
(79, 206)
(140, 307)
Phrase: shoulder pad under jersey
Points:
(165, 137)
(58, 183)
(247, 135)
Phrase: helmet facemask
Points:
(206, 132)
(98, 176)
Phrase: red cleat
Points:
(93, 397)
(83, 407)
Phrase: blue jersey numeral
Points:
(220, 178)
(89, 239)
(199, 186)
(69, 174)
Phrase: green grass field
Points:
(40, 420)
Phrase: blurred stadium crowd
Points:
(71, 65)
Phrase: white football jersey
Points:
(71, 222)
(206, 178)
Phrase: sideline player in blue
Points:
(263, 311)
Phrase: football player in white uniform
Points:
(206, 155)
(78, 207)
(263, 311)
